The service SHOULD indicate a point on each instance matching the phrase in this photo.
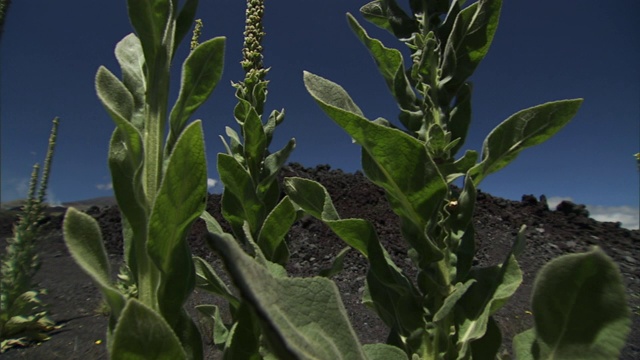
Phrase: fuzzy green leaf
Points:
(312, 197)
(390, 64)
(239, 200)
(131, 59)
(383, 352)
(304, 318)
(452, 300)
(336, 265)
(394, 296)
(84, 241)
(494, 286)
(207, 279)
(114, 95)
(275, 228)
(487, 347)
(201, 72)
(143, 334)
(389, 16)
(181, 199)
(255, 138)
(220, 333)
(274, 162)
(83, 238)
(391, 159)
(521, 130)
(211, 223)
(243, 341)
(580, 310)
(179, 202)
(126, 171)
(149, 18)
(470, 39)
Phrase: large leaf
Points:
(303, 318)
(207, 279)
(131, 59)
(220, 333)
(390, 64)
(275, 228)
(179, 202)
(391, 17)
(274, 162)
(149, 18)
(394, 297)
(255, 139)
(119, 103)
(114, 95)
(469, 40)
(143, 334)
(83, 239)
(239, 201)
(580, 310)
(494, 286)
(126, 171)
(521, 130)
(392, 159)
(201, 72)
(383, 352)
(181, 199)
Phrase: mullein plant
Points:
(446, 312)
(251, 201)
(273, 316)
(159, 174)
(249, 170)
(23, 317)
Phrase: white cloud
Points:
(555, 200)
(629, 217)
(14, 188)
(107, 186)
(51, 199)
(211, 183)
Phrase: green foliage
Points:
(249, 170)
(23, 319)
(446, 311)
(586, 318)
(160, 186)
(301, 318)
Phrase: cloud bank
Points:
(628, 216)
(108, 186)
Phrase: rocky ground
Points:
(75, 302)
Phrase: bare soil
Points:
(74, 301)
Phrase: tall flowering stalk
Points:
(248, 169)
(22, 316)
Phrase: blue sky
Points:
(544, 50)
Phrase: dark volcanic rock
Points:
(73, 299)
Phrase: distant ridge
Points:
(79, 204)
